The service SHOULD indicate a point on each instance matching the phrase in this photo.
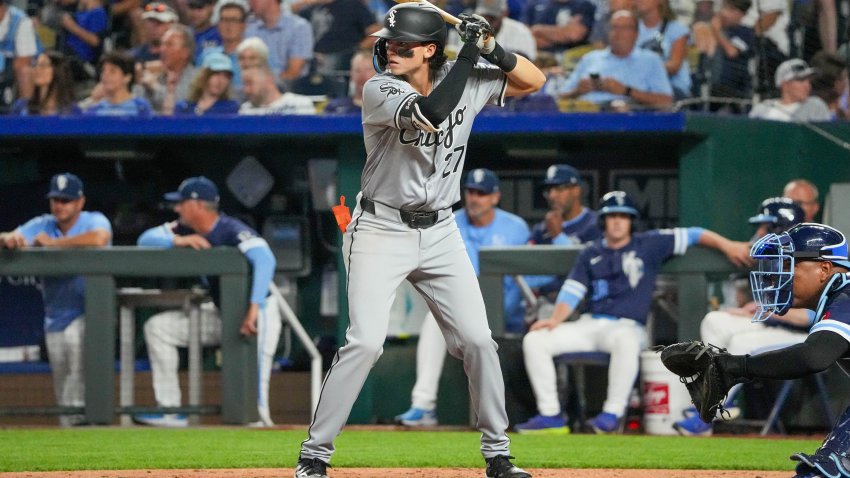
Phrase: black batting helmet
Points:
(409, 22)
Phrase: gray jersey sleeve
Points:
(490, 85)
(389, 101)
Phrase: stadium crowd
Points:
(772, 59)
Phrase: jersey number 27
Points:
(456, 155)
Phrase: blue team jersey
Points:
(580, 229)
(506, 230)
(64, 297)
(833, 314)
(227, 231)
(620, 282)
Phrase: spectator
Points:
(340, 27)
(481, 223)
(113, 96)
(558, 25)
(795, 103)
(288, 37)
(157, 17)
(54, 88)
(361, 70)
(616, 275)
(209, 93)
(769, 21)
(733, 328)
(728, 47)
(83, 37)
(804, 193)
(263, 97)
(231, 17)
(817, 25)
(167, 83)
(66, 226)
(513, 35)
(601, 26)
(621, 73)
(830, 82)
(200, 19)
(660, 32)
(202, 226)
(252, 52)
(18, 47)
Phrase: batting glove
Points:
(475, 29)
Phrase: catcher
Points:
(805, 267)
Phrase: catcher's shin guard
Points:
(833, 457)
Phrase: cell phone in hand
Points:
(594, 78)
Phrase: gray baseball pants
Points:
(380, 252)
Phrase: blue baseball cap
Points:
(558, 174)
(217, 61)
(198, 187)
(65, 186)
(482, 180)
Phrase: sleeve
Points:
(664, 243)
(98, 221)
(25, 40)
(580, 72)
(31, 228)
(587, 12)
(838, 321)
(96, 22)
(578, 283)
(390, 102)
(302, 45)
(262, 266)
(675, 30)
(159, 236)
(492, 83)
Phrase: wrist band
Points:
(505, 60)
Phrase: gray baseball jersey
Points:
(408, 167)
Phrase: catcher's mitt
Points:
(698, 367)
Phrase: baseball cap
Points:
(558, 174)
(491, 8)
(197, 187)
(160, 12)
(217, 61)
(482, 180)
(65, 186)
(793, 69)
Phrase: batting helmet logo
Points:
(391, 18)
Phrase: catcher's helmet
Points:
(409, 22)
(777, 254)
(617, 202)
(780, 214)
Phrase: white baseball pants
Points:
(740, 335)
(380, 252)
(65, 353)
(166, 331)
(623, 339)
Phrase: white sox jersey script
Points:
(409, 165)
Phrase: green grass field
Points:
(144, 448)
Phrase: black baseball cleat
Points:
(311, 468)
(500, 466)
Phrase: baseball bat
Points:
(448, 17)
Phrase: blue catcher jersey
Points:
(227, 231)
(506, 230)
(64, 297)
(833, 314)
(582, 228)
(620, 282)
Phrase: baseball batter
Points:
(417, 117)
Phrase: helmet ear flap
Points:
(379, 55)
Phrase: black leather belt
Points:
(413, 219)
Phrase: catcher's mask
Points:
(776, 254)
